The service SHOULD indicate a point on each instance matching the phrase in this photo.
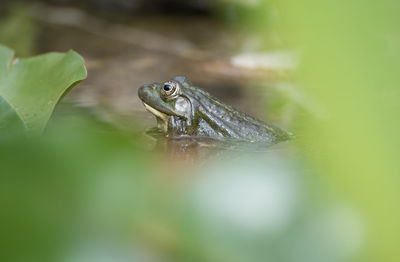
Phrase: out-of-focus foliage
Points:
(85, 191)
(18, 30)
(33, 86)
(348, 73)
(52, 188)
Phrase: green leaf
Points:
(9, 120)
(33, 86)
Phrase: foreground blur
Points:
(87, 191)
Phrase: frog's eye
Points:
(169, 89)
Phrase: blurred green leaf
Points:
(33, 86)
(80, 179)
(349, 66)
(9, 120)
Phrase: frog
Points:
(184, 110)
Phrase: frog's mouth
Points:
(162, 118)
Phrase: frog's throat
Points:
(162, 119)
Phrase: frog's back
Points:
(216, 119)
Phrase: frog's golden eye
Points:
(169, 89)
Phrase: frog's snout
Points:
(145, 92)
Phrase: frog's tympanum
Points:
(184, 110)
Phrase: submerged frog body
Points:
(184, 110)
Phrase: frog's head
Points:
(169, 103)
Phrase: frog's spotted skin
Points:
(184, 110)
